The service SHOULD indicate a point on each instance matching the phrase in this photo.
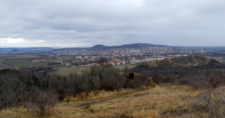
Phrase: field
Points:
(27, 56)
(7, 55)
(19, 63)
(3, 66)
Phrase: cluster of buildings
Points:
(88, 61)
(126, 52)
(134, 60)
(117, 56)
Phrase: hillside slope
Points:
(188, 61)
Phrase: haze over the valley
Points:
(84, 23)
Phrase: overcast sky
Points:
(84, 23)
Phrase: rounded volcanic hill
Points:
(186, 61)
(99, 46)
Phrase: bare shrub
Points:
(36, 89)
(212, 98)
(137, 81)
(41, 102)
(11, 91)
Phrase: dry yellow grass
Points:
(105, 94)
(158, 102)
(146, 114)
(155, 101)
(150, 104)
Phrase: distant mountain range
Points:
(100, 46)
(135, 45)
(140, 45)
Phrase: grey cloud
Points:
(114, 22)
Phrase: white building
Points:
(78, 57)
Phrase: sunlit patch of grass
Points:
(66, 111)
(153, 64)
(121, 73)
(153, 101)
(16, 113)
(146, 114)
(8, 113)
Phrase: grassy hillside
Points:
(188, 61)
(159, 102)
(198, 99)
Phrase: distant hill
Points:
(191, 62)
(99, 46)
(188, 61)
(15, 50)
(135, 45)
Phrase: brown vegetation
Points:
(104, 93)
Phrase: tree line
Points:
(41, 91)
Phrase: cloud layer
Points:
(81, 23)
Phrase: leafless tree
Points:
(41, 102)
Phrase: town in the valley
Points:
(87, 57)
